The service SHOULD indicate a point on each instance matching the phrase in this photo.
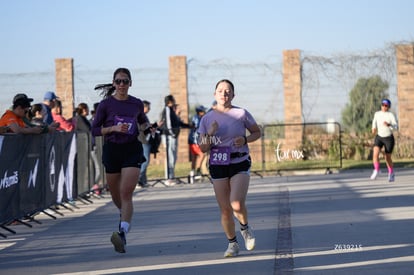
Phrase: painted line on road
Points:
(172, 265)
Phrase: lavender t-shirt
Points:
(231, 124)
(111, 112)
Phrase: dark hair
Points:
(58, 103)
(122, 70)
(226, 81)
(35, 108)
(81, 106)
(108, 89)
(168, 99)
(146, 103)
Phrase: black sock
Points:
(233, 240)
(244, 226)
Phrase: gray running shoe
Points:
(232, 250)
(249, 239)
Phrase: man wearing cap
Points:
(48, 104)
(383, 125)
(14, 119)
(197, 156)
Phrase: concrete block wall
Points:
(65, 85)
(292, 84)
(179, 89)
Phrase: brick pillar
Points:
(65, 85)
(179, 89)
(292, 83)
(405, 88)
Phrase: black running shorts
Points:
(387, 142)
(116, 156)
(228, 171)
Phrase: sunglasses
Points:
(125, 81)
(385, 105)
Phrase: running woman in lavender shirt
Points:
(223, 134)
(117, 119)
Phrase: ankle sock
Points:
(233, 240)
(244, 226)
(125, 226)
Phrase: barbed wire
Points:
(326, 83)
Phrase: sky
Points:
(103, 35)
(108, 34)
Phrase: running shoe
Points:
(374, 175)
(391, 177)
(232, 250)
(249, 239)
(119, 241)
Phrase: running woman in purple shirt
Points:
(117, 119)
(223, 134)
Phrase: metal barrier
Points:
(298, 146)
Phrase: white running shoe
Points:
(249, 239)
(232, 250)
(374, 175)
(391, 177)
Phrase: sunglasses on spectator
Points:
(124, 81)
(385, 105)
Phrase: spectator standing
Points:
(146, 146)
(117, 119)
(81, 118)
(36, 115)
(171, 130)
(97, 187)
(49, 101)
(223, 134)
(13, 119)
(197, 156)
(64, 124)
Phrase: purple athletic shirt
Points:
(111, 111)
(231, 124)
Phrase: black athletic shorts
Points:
(228, 171)
(116, 156)
(387, 142)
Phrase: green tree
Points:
(364, 100)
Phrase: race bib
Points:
(220, 156)
(128, 120)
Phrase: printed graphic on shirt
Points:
(128, 120)
(220, 156)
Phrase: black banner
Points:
(36, 171)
